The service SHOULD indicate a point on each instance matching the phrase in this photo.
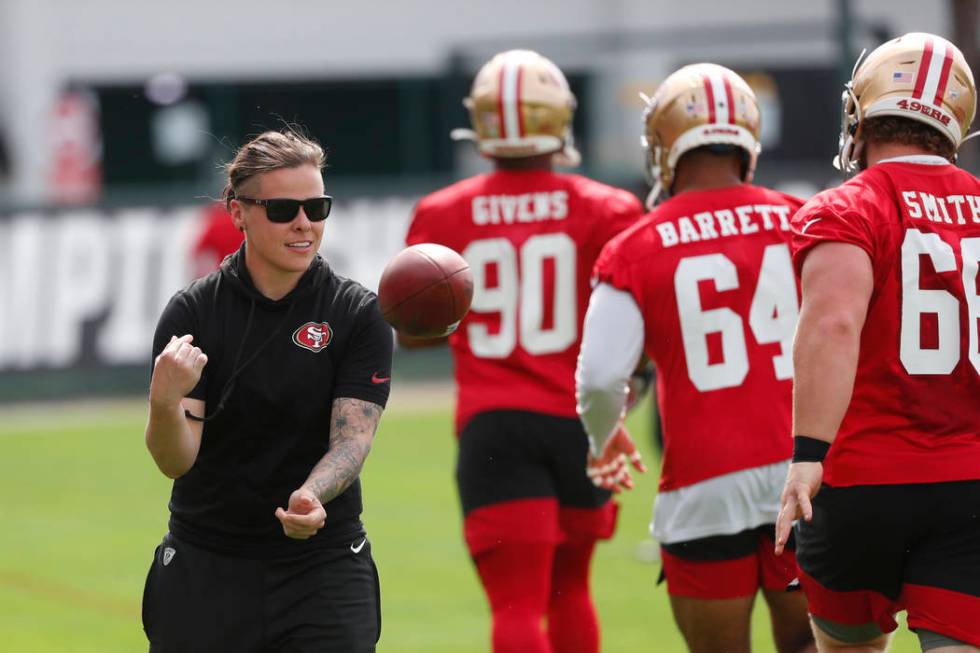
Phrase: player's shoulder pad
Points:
(631, 248)
(635, 242)
(856, 198)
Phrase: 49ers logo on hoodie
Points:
(314, 336)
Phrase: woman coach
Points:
(269, 379)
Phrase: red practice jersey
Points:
(712, 276)
(531, 239)
(218, 239)
(914, 416)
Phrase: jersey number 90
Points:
(518, 295)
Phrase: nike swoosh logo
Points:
(357, 549)
(809, 224)
(379, 379)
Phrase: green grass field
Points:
(83, 507)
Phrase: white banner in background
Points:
(89, 285)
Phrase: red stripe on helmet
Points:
(920, 77)
(500, 102)
(711, 97)
(944, 77)
(731, 100)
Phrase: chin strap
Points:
(654, 195)
(956, 155)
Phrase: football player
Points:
(886, 412)
(531, 236)
(704, 285)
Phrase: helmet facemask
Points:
(652, 153)
(849, 146)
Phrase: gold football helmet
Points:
(919, 76)
(700, 104)
(520, 105)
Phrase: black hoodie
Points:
(274, 369)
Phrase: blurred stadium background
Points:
(114, 120)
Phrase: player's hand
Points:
(303, 517)
(176, 371)
(610, 469)
(802, 484)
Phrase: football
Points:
(425, 291)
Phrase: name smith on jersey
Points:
(936, 208)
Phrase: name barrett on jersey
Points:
(523, 208)
(936, 208)
(709, 225)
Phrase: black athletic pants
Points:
(325, 601)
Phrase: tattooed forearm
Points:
(352, 428)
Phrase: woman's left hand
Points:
(304, 516)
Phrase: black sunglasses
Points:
(284, 210)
